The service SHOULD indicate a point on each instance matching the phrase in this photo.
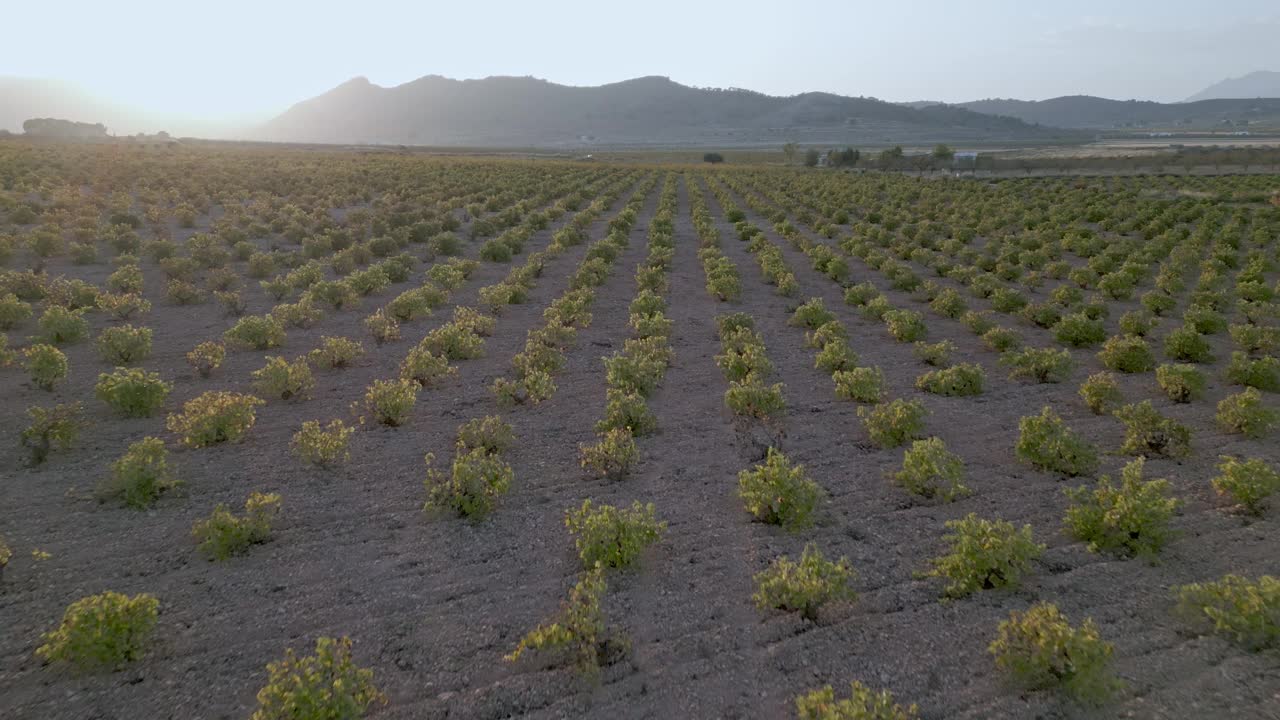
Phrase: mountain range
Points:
(519, 111)
(655, 111)
(1261, 84)
(1085, 112)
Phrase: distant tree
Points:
(811, 158)
(713, 158)
(55, 127)
(789, 150)
(943, 154)
(890, 158)
(923, 162)
(847, 157)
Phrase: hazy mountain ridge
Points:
(1260, 84)
(1086, 112)
(434, 110)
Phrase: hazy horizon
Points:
(242, 63)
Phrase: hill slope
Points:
(1261, 84)
(1095, 113)
(517, 111)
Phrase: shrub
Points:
(964, 379)
(1147, 431)
(742, 360)
(532, 387)
(1101, 393)
(1040, 650)
(415, 303)
(132, 392)
(383, 327)
(578, 629)
(1262, 373)
(454, 341)
(1079, 330)
(13, 311)
(948, 303)
(1047, 443)
(804, 586)
(335, 294)
(608, 537)
(1001, 339)
(860, 294)
(232, 302)
(835, 356)
(1044, 315)
(651, 325)
(612, 456)
(223, 534)
(124, 344)
(258, 332)
(647, 302)
(336, 352)
(1249, 483)
(1158, 302)
(474, 320)
(779, 493)
(733, 325)
(1244, 413)
(1131, 519)
(1044, 365)
(302, 314)
(389, 402)
(214, 417)
(472, 487)
(893, 424)
(863, 703)
(105, 631)
(937, 354)
(1182, 383)
(206, 357)
(1137, 322)
(752, 398)
(425, 368)
(811, 315)
(626, 410)
(1127, 354)
(282, 379)
(634, 373)
(182, 292)
(863, 384)
(930, 470)
(905, 325)
(491, 434)
(1250, 338)
(984, 554)
(1204, 320)
(55, 427)
(1187, 345)
(141, 475)
(830, 332)
(1246, 612)
(322, 686)
(322, 446)
(46, 364)
(58, 325)
(5, 555)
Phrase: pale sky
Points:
(239, 60)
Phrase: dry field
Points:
(936, 386)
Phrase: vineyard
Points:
(326, 434)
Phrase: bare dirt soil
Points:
(434, 604)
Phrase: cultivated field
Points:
(832, 428)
